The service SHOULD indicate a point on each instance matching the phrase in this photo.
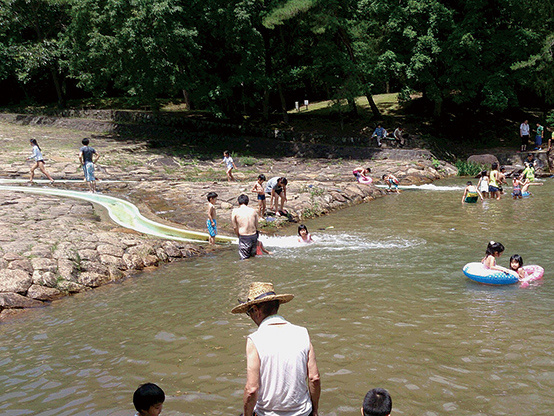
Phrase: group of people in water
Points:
(490, 183)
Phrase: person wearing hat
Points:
(281, 370)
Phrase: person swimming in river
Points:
(494, 250)
(516, 264)
(260, 249)
(303, 234)
(392, 182)
(361, 175)
(471, 193)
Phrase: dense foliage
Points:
(259, 56)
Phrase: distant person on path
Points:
(260, 194)
(538, 137)
(379, 134)
(211, 222)
(277, 188)
(483, 184)
(471, 193)
(148, 400)
(39, 162)
(88, 157)
(282, 378)
(377, 402)
(494, 181)
(228, 160)
(524, 134)
(245, 224)
(399, 136)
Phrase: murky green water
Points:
(382, 294)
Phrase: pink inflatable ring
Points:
(532, 273)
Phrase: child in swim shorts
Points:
(211, 222)
(259, 190)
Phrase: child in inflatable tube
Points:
(494, 250)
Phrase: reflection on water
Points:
(382, 294)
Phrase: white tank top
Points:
(283, 349)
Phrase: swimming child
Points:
(516, 182)
(516, 264)
(39, 161)
(148, 400)
(391, 181)
(304, 235)
(259, 189)
(471, 193)
(361, 175)
(211, 222)
(494, 250)
(260, 249)
(483, 184)
(228, 160)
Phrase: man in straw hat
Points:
(281, 370)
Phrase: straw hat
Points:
(259, 293)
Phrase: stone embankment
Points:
(51, 246)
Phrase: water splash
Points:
(427, 187)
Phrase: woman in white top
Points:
(39, 161)
(483, 184)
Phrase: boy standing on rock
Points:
(211, 221)
(88, 157)
(259, 189)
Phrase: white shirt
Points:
(271, 184)
(228, 161)
(524, 129)
(283, 349)
(37, 154)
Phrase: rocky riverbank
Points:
(50, 246)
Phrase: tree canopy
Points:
(256, 57)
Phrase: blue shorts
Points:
(212, 229)
(538, 140)
(261, 197)
(493, 189)
(88, 169)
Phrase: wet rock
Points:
(43, 293)
(133, 261)
(92, 279)
(17, 281)
(67, 269)
(171, 249)
(70, 287)
(486, 159)
(88, 255)
(162, 255)
(14, 300)
(150, 260)
(94, 267)
(108, 261)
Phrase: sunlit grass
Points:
(387, 103)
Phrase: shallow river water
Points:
(381, 293)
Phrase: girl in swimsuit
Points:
(494, 250)
(39, 161)
(304, 235)
(516, 264)
(483, 184)
(471, 193)
(516, 193)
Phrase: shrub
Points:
(469, 168)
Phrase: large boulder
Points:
(17, 281)
(485, 159)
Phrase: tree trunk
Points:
(437, 111)
(186, 96)
(352, 105)
(59, 93)
(373, 106)
(283, 104)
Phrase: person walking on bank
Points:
(39, 162)
(282, 378)
(524, 134)
(538, 137)
(88, 157)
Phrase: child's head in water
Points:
(302, 230)
(377, 402)
(516, 262)
(494, 249)
(148, 400)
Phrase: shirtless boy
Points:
(245, 224)
(259, 190)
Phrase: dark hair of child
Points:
(302, 227)
(469, 183)
(483, 173)
(85, 141)
(377, 402)
(147, 395)
(226, 153)
(494, 166)
(384, 176)
(261, 176)
(494, 248)
(283, 181)
(243, 199)
(211, 195)
(517, 258)
(35, 143)
(368, 170)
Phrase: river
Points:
(381, 292)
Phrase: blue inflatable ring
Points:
(477, 272)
